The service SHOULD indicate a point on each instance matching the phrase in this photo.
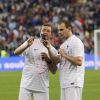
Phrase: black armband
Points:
(49, 61)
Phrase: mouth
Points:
(60, 35)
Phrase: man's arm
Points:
(75, 60)
(52, 66)
(25, 45)
(54, 57)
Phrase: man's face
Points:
(46, 30)
(63, 31)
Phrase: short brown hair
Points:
(67, 23)
(48, 24)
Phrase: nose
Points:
(59, 31)
(45, 33)
(59, 34)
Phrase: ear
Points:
(41, 29)
(69, 28)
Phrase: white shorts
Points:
(26, 94)
(71, 93)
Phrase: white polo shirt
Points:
(70, 74)
(35, 72)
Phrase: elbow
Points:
(15, 52)
(53, 72)
(79, 63)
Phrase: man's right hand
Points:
(30, 41)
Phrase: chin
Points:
(61, 37)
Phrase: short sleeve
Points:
(78, 48)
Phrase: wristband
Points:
(49, 61)
(25, 44)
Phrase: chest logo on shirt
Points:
(67, 46)
(67, 49)
(35, 49)
(72, 83)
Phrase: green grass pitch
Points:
(9, 85)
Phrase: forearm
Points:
(54, 57)
(52, 66)
(74, 60)
(21, 48)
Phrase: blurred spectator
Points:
(88, 43)
(21, 18)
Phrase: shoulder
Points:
(77, 43)
(52, 47)
(76, 40)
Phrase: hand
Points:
(61, 52)
(30, 41)
(46, 43)
(44, 56)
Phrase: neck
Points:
(69, 35)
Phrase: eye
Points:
(48, 30)
(60, 29)
(45, 30)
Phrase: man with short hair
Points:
(35, 79)
(70, 63)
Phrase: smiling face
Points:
(46, 30)
(64, 31)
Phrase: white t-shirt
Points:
(70, 74)
(35, 72)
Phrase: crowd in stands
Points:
(19, 19)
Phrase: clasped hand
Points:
(61, 52)
(44, 56)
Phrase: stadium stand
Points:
(21, 18)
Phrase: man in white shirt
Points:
(71, 63)
(35, 79)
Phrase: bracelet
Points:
(49, 61)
